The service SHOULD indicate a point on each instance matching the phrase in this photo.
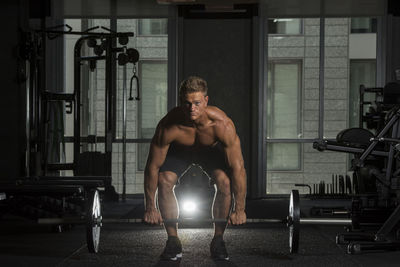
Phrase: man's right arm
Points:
(158, 151)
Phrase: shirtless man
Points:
(195, 133)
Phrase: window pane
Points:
(363, 25)
(361, 72)
(153, 27)
(153, 106)
(284, 94)
(283, 156)
(285, 26)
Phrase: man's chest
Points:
(196, 137)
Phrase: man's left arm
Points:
(238, 173)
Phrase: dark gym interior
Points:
(312, 87)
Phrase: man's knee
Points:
(167, 180)
(222, 182)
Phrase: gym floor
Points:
(125, 244)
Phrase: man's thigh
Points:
(220, 178)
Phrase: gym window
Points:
(284, 114)
(285, 26)
(148, 27)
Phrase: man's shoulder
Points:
(216, 114)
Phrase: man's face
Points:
(194, 105)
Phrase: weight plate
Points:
(98, 50)
(133, 55)
(91, 42)
(294, 218)
(122, 59)
(93, 221)
(123, 40)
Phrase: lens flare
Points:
(189, 206)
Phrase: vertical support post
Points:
(124, 98)
(321, 72)
(77, 101)
(257, 182)
(109, 104)
(172, 57)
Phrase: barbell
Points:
(94, 220)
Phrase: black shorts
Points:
(180, 159)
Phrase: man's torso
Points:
(194, 144)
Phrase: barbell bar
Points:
(316, 221)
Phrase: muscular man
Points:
(195, 133)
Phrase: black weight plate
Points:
(123, 40)
(294, 226)
(91, 42)
(98, 50)
(93, 221)
(133, 55)
(122, 59)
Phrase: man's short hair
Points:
(192, 84)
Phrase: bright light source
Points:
(189, 206)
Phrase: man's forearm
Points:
(150, 188)
(239, 188)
